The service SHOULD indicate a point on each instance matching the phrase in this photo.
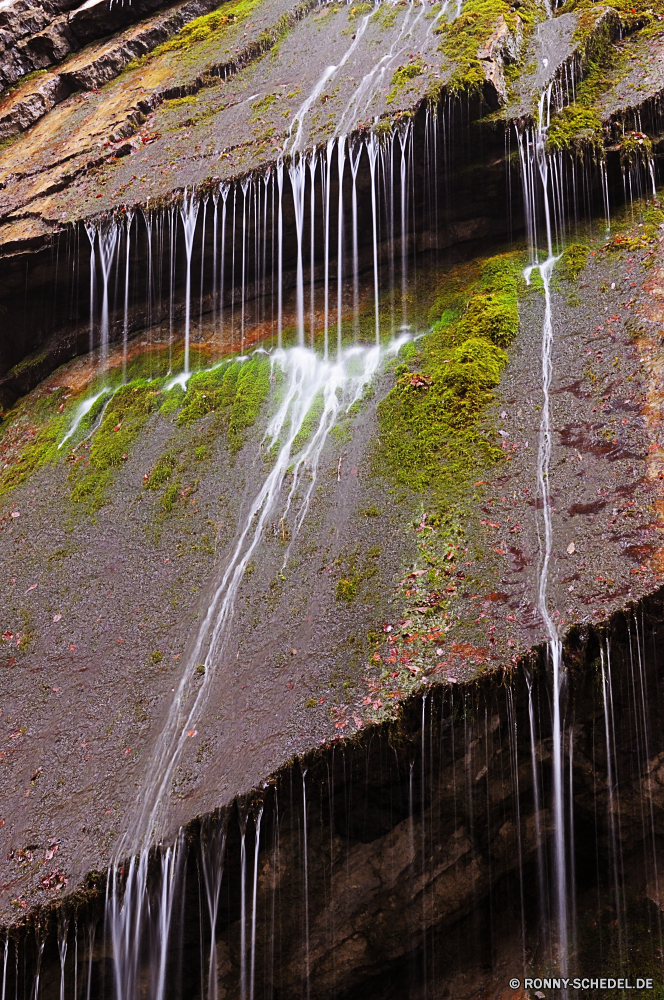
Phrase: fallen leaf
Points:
(500, 552)
(72, 647)
(127, 751)
(571, 548)
(32, 587)
(16, 513)
(7, 636)
(192, 732)
(56, 618)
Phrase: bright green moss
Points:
(465, 35)
(494, 315)
(386, 15)
(473, 370)
(172, 401)
(162, 471)
(253, 386)
(42, 448)
(578, 129)
(572, 261)
(309, 423)
(209, 25)
(124, 417)
(430, 423)
(402, 77)
(209, 391)
(236, 390)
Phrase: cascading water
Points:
(144, 883)
(538, 159)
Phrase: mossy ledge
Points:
(430, 422)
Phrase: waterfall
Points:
(189, 213)
(537, 158)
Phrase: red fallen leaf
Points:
(192, 732)
(57, 690)
(117, 427)
(501, 552)
(7, 636)
(367, 701)
(358, 721)
(413, 670)
(341, 724)
(2, 823)
(490, 524)
(511, 618)
(127, 751)
(417, 572)
(321, 700)
(108, 812)
(481, 482)
(377, 704)
(32, 587)
(290, 685)
(377, 657)
(72, 647)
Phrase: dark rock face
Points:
(418, 862)
(36, 34)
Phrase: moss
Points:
(386, 15)
(29, 437)
(204, 28)
(578, 129)
(430, 422)
(260, 106)
(359, 10)
(253, 386)
(572, 261)
(309, 423)
(402, 77)
(346, 590)
(123, 420)
(156, 657)
(170, 497)
(635, 147)
(209, 391)
(172, 401)
(465, 35)
(162, 472)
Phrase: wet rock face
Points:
(36, 34)
(422, 862)
(51, 329)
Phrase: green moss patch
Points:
(572, 261)
(465, 35)
(209, 26)
(29, 437)
(403, 76)
(124, 418)
(430, 422)
(578, 129)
